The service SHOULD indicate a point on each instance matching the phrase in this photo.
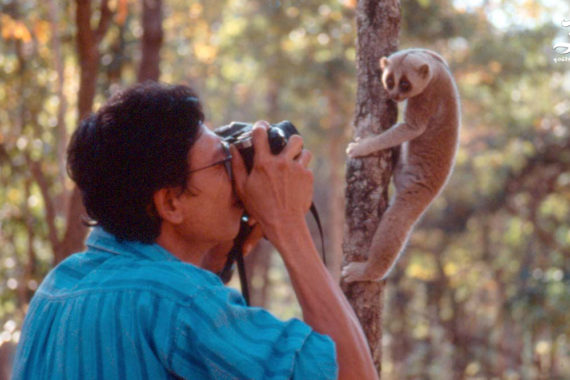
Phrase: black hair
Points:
(136, 144)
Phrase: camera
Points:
(239, 134)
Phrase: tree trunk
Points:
(257, 265)
(151, 40)
(7, 351)
(258, 262)
(88, 50)
(29, 265)
(336, 122)
(336, 205)
(368, 178)
(402, 345)
(62, 106)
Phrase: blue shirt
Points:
(127, 310)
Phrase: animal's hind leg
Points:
(398, 172)
(394, 229)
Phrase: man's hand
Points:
(279, 187)
(278, 193)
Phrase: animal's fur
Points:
(430, 135)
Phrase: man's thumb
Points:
(240, 172)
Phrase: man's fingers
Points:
(305, 158)
(260, 141)
(252, 239)
(294, 147)
(238, 167)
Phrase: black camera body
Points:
(239, 134)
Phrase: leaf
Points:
(14, 29)
(205, 53)
(42, 31)
(22, 33)
(424, 3)
(7, 26)
(122, 12)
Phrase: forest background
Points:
(483, 291)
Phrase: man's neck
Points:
(186, 250)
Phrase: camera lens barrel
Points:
(239, 134)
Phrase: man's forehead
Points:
(206, 146)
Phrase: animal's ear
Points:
(383, 62)
(424, 70)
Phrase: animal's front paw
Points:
(358, 149)
(351, 148)
(356, 271)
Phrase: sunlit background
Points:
(483, 291)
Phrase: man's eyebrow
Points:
(215, 155)
(220, 151)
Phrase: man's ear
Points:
(383, 62)
(167, 204)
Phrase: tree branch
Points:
(41, 180)
(104, 21)
(367, 179)
(151, 41)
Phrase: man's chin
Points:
(237, 204)
(236, 227)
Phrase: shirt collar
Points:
(102, 240)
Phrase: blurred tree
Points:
(487, 261)
(279, 61)
(368, 178)
(88, 45)
(151, 40)
(482, 290)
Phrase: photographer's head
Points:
(133, 158)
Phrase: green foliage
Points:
(483, 289)
(493, 248)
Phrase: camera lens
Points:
(239, 134)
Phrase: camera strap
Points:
(236, 253)
(315, 213)
(236, 256)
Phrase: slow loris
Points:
(429, 136)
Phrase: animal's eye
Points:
(390, 82)
(405, 86)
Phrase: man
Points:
(142, 301)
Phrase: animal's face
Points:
(405, 76)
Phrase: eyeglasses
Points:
(227, 161)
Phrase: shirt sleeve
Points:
(218, 337)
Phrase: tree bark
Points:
(368, 178)
(257, 265)
(62, 106)
(258, 262)
(402, 344)
(88, 41)
(7, 352)
(336, 206)
(336, 120)
(151, 41)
